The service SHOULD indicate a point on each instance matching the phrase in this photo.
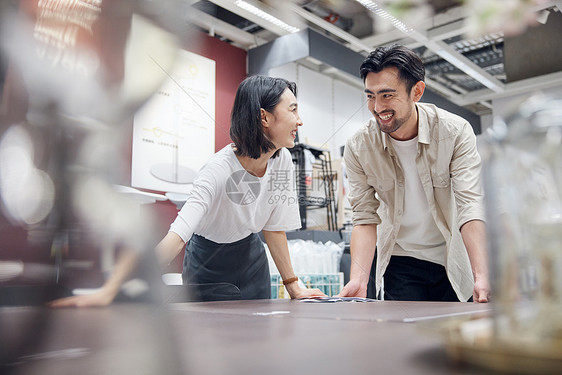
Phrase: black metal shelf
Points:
(322, 164)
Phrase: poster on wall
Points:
(174, 132)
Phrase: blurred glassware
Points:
(86, 67)
(523, 185)
(93, 59)
(77, 72)
(512, 17)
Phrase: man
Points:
(414, 174)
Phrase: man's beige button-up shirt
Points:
(448, 164)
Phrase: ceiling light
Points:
(373, 7)
(266, 16)
(438, 47)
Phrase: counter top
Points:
(231, 337)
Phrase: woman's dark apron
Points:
(242, 263)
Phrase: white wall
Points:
(315, 107)
(351, 113)
(331, 110)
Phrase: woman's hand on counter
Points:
(295, 291)
(103, 297)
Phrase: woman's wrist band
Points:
(290, 280)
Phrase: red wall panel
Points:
(230, 71)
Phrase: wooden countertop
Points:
(231, 337)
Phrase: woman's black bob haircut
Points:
(410, 66)
(246, 130)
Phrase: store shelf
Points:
(317, 174)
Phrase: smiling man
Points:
(414, 174)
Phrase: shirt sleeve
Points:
(285, 215)
(196, 205)
(466, 177)
(361, 194)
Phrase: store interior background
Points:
(478, 73)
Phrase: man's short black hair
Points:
(246, 130)
(410, 66)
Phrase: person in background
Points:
(245, 188)
(415, 191)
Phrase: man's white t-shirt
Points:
(227, 203)
(418, 236)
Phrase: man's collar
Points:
(423, 129)
(423, 126)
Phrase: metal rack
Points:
(321, 171)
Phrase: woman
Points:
(245, 188)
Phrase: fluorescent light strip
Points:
(373, 7)
(266, 16)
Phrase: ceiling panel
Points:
(469, 71)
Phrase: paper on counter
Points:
(336, 299)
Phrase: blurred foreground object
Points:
(523, 177)
(523, 182)
(86, 66)
(510, 16)
(77, 72)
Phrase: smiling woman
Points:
(281, 126)
(259, 100)
(231, 202)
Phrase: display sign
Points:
(174, 133)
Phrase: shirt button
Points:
(399, 212)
